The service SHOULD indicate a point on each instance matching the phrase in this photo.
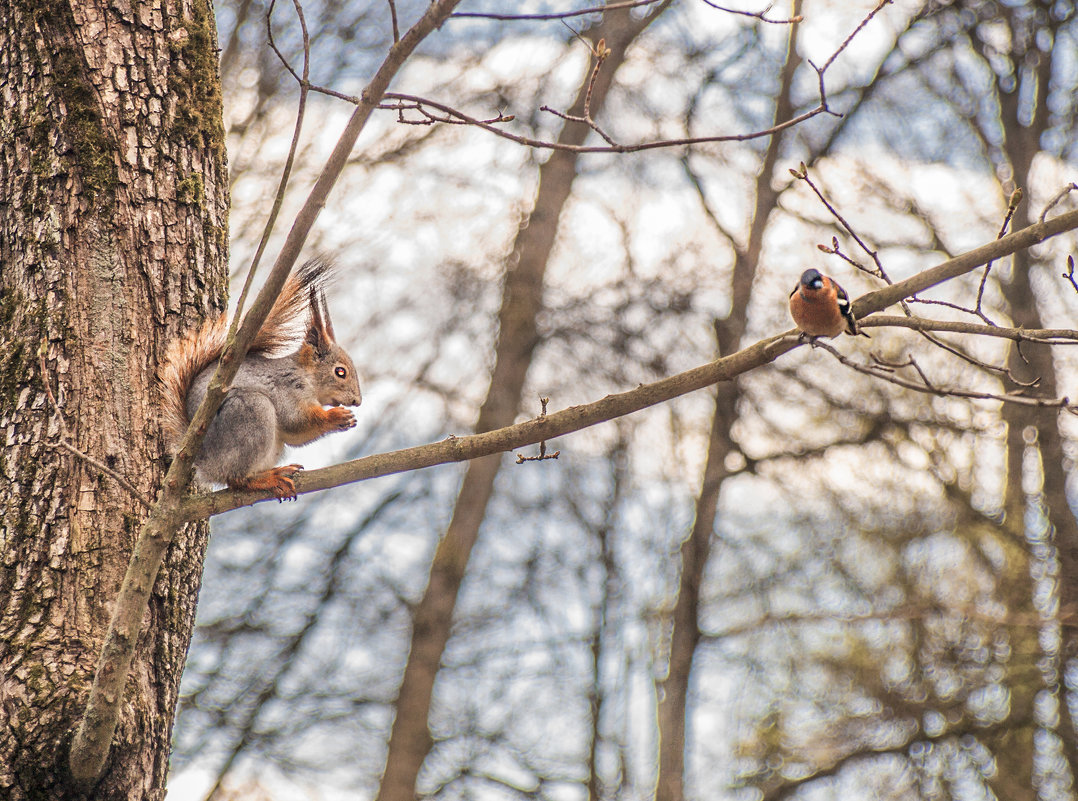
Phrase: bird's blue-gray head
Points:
(812, 279)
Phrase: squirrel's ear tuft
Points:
(325, 316)
(320, 330)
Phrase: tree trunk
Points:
(113, 236)
(1023, 129)
(522, 298)
(1037, 361)
(685, 635)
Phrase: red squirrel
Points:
(273, 401)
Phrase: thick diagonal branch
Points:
(91, 743)
(575, 418)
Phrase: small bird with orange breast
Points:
(820, 307)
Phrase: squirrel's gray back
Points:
(258, 372)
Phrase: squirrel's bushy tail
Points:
(194, 352)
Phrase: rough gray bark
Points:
(113, 204)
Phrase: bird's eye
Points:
(340, 372)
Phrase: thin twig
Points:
(393, 16)
(325, 90)
(599, 52)
(290, 160)
(585, 120)
(554, 15)
(801, 174)
(1016, 198)
(835, 250)
(857, 30)
(543, 455)
(760, 15)
(944, 303)
(271, 40)
(1071, 187)
(1016, 335)
(821, 70)
(969, 359)
(577, 35)
(929, 388)
(613, 147)
(429, 118)
(1069, 275)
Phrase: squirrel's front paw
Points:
(341, 417)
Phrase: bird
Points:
(821, 308)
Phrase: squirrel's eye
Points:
(340, 372)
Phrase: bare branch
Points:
(801, 174)
(850, 38)
(599, 53)
(90, 747)
(612, 147)
(554, 15)
(1049, 336)
(1016, 198)
(430, 118)
(885, 370)
(836, 250)
(393, 16)
(1069, 275)
(945, 303)
(290, 160)
(1071, 187)
(575, 418)
(964, 263)
(306, 41)
(821, 70)
(760, 15)
(562, 15)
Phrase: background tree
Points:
(994, 540)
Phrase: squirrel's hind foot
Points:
(278, 480)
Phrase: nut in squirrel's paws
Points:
(341, 417)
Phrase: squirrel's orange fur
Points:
(188, 356)
(273, 401)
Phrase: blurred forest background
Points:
(806, 583)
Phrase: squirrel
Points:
(272, 402)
